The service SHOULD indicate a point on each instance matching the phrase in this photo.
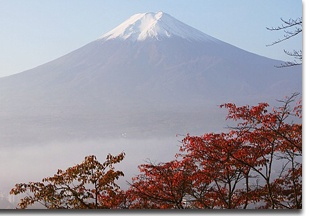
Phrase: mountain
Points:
(150, 76)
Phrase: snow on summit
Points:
(157, 26)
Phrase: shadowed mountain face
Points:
(150, 76)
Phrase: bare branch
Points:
(291, 28)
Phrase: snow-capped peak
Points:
(157, 26)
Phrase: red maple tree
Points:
(255, 164)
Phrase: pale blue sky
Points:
(34, 32)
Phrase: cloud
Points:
(32, 163)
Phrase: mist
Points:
(21, 164)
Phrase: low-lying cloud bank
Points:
(32, 163)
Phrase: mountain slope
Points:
(151, 75)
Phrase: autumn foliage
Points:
(256, 163)
(89, 185)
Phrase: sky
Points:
(34, 32)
